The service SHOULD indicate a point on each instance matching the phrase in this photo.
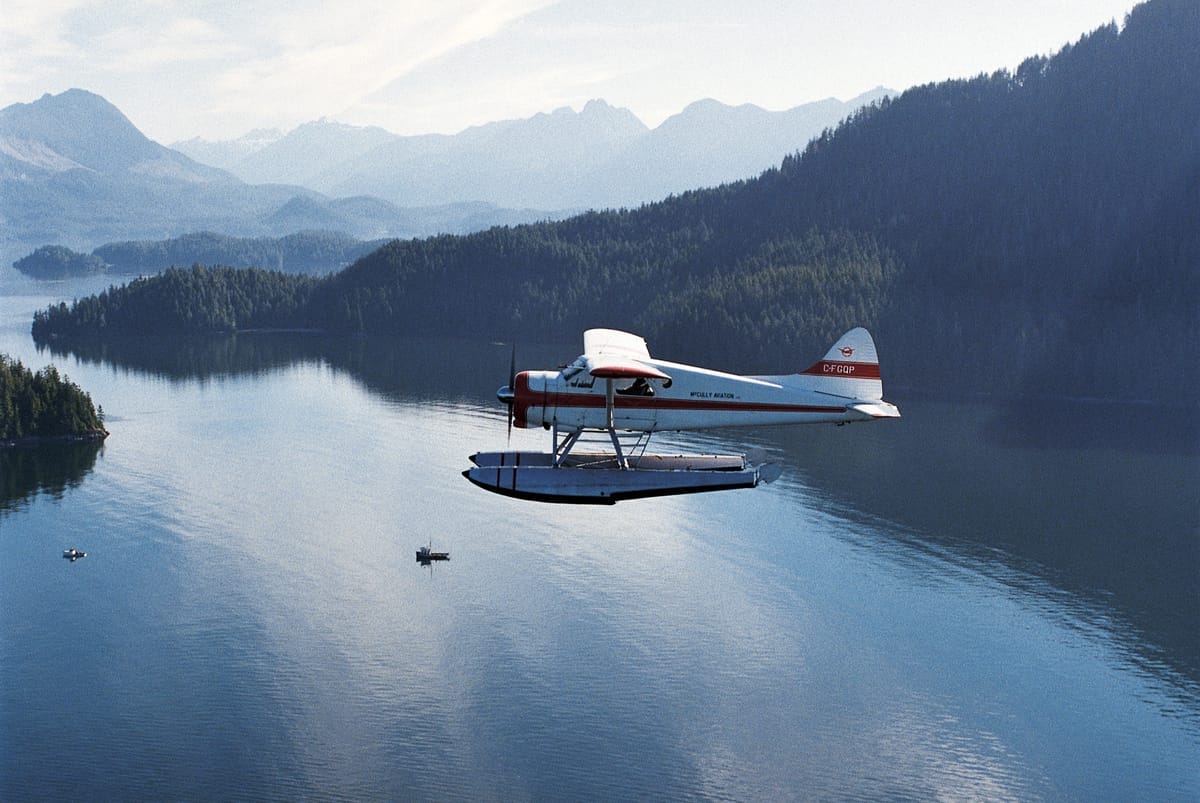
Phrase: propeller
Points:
(508, 393)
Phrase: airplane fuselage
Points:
(692, 398)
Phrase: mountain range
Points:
(601, 156)
(75, 171)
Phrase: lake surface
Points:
(974, 601)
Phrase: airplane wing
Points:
(611, 354)
(614, 343)
(607, 367)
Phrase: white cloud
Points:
(217, 69)
(30, 39)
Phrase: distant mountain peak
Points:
(72, 107)
(81, 126)
(80, 129)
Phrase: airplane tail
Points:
(849, 370)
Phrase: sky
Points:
(217, 69)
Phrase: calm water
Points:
(972, 601)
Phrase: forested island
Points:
(44, 405)
(1022, 233)
(309, 252)
(193, 301)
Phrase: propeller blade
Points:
(512, 384)
(508, 393)
(512, 367)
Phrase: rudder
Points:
(850, 368)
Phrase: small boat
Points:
(73, 554)
(426, 554)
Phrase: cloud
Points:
(30, 37)
(319, 64)
(211, 63)
(217, 68)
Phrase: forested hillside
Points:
(43, 404)
(1035, 232)
(183, 301)
(311, 252)
(1047, 221)
(60, 262)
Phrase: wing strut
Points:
(612, 432)
(561, 450)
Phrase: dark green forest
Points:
(195, 300)
(1034, 232)
(60, 262)
(43, 404)
(309, 252)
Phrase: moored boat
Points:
(426, 554)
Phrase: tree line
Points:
(196, 300)
(309, 252)
(43, 404)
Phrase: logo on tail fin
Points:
(847, 351)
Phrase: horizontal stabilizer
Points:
(875, 409)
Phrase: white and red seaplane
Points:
(620, 395)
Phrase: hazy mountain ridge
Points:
(84, 130)
(300, 157)
(601, 156)
(75, 171)
(227, 153)
(306, 252)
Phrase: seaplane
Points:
(616, 394)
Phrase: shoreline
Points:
(39, 440)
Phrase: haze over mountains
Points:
(75, 171)
(601, 156)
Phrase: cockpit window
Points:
(640, 387)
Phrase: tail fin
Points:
(849, 369)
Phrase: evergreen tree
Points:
(42, 404)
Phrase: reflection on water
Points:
(413, 368)
(1132, 427)
(915, 609)
(1079, 497)
(50, 468)
(201, 357)
(1115, 526)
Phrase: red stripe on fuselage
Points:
(523, 399)
(660, 403)
(526, 398)
(844, 370)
